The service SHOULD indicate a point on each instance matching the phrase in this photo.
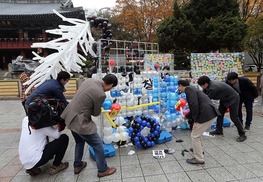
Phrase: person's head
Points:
(203, 81)
(232, 77)
(109, 81)
(182, 84)
(63, 77)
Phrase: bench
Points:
(9, 88)
(71, 88)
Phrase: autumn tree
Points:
(140, 18)
(254, 42)
(250, 9)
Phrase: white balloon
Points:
(121, 129)
(119, 120)
(169, 129)
(107, 139)
(124, 136)
(107, 131)
(116, 137)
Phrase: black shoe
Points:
(77, 170)
(247, 128)
(33, 171)
(194, 161)
(241, 138)
(216, 132)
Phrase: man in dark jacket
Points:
(247, 93)
(52, 88)
(203, 113)
(228, 98)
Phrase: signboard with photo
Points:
(216, 65)
(158, 62)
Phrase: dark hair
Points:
(232, 76)
(183, 83)
(63, 75)
(203, 79)
(110, 79)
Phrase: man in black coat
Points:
(247, 93)
(228, 98)
(202, 112)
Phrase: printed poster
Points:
(158, 62)
(216, 65)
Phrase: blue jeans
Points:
(96, 143)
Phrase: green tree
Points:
(254, 42)
(172, 35)
(203, 26)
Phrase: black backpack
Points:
(44, 112)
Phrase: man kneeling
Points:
(35, 151)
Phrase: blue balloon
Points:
(136, 139)
(148, 125)
(107, 104)
(144, 122)
(145, 139)
(141, 128)
(157, 128)
(156, 108)
(130, 130)
(152, 143)
(138, 144)
(149, 144)
(139, 120)
(155, 132)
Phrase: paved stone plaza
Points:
(226, 159)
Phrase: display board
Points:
(158, 62)
(216, 65)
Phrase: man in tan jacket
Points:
(87, 102)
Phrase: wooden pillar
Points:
(21, 35)
(22, 53)
(44, 35)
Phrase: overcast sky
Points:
(93, 4)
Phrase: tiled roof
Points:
(30, 9)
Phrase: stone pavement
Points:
(226, 159)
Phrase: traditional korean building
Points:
(23, 22)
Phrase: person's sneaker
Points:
(77, 170)
(216, 132)
(241, 138)
(109, 171)
(56, 169)
(247, 128)
(33, 171)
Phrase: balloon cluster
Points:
(144, 132)
(102, 23)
